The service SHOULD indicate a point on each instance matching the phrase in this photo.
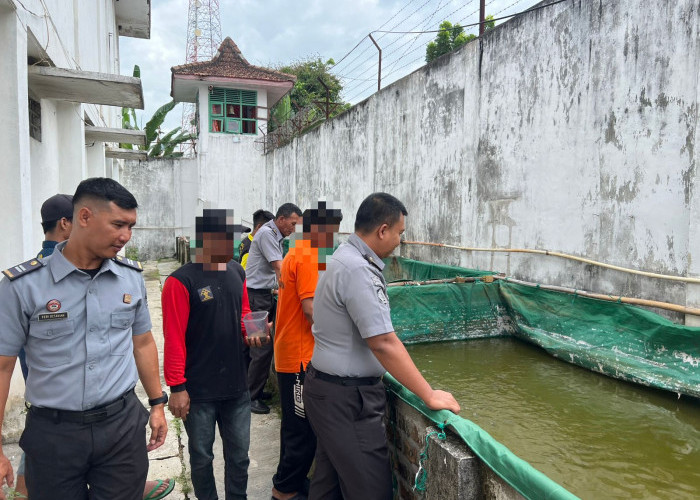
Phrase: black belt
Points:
(347, 381)
(83, 417)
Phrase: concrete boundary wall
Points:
(572, 128)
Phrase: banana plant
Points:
(158, 144)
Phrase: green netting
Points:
(615, 339)
(524, 478)
(399, 269)
(448, 311)
(612, 338)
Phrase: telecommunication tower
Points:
(203, 40)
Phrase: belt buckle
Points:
(93, 417)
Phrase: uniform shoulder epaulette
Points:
(20, 270)
(133, 264)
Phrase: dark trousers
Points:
(297, 439)
(63, 458)
(260, 357)
(352, 459)
(233, 417)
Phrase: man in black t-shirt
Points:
(203, 303)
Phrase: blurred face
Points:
(108, 228)
(390, 237)
(217, 248)
(321, 235)
(286, 224)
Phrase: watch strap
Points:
(158, 401)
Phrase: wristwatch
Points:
(158, 401)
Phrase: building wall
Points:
(167, 204)
(73, 34)
(571, 129)
(77, 34)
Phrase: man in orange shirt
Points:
(294, 345)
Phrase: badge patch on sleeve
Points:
(379, 286)
(382, 296)
(205, 294)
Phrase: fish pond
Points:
(596, 436)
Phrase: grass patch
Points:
(183, 478)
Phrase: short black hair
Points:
(214, 220)
(321, 215)
(49, 226)
(378, 209)
(287, 210)
(103, 188)
(261, 217)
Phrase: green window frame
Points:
(233, 111)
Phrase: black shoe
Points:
(257, 406)
(266, 395)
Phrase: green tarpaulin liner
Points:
(524, 478)
(618, 340)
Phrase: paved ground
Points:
(172, 460)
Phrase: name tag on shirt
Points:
(53, 316)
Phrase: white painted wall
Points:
(572, 128)
(74, 34)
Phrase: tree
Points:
(158, 144)
(308, 89)
(451, 37)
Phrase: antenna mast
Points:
(203, 40)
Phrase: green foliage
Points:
(157, 146)
(308, 88)
(451, 37)
(132, 252)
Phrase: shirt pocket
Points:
(50, 343)
(120, 332)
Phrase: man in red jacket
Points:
(203, 303)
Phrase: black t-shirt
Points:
(215, 368)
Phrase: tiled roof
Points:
(230, 63)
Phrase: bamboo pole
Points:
(573, 291)
(683, 279)
(610, 298)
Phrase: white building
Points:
(61, 92)
(234, 99)
(61, 96)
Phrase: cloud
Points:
(273, 32)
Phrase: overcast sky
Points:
(273, 32)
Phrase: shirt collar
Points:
(61, 267)
(275, 230)
(366, 251)
(48, 244)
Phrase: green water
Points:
(596, 436)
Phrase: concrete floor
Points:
(172, 459)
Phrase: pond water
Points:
(596, 436)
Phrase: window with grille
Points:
(233, 111)
(35, 119)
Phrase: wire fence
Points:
(403, 39)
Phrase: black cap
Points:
(57, 207)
